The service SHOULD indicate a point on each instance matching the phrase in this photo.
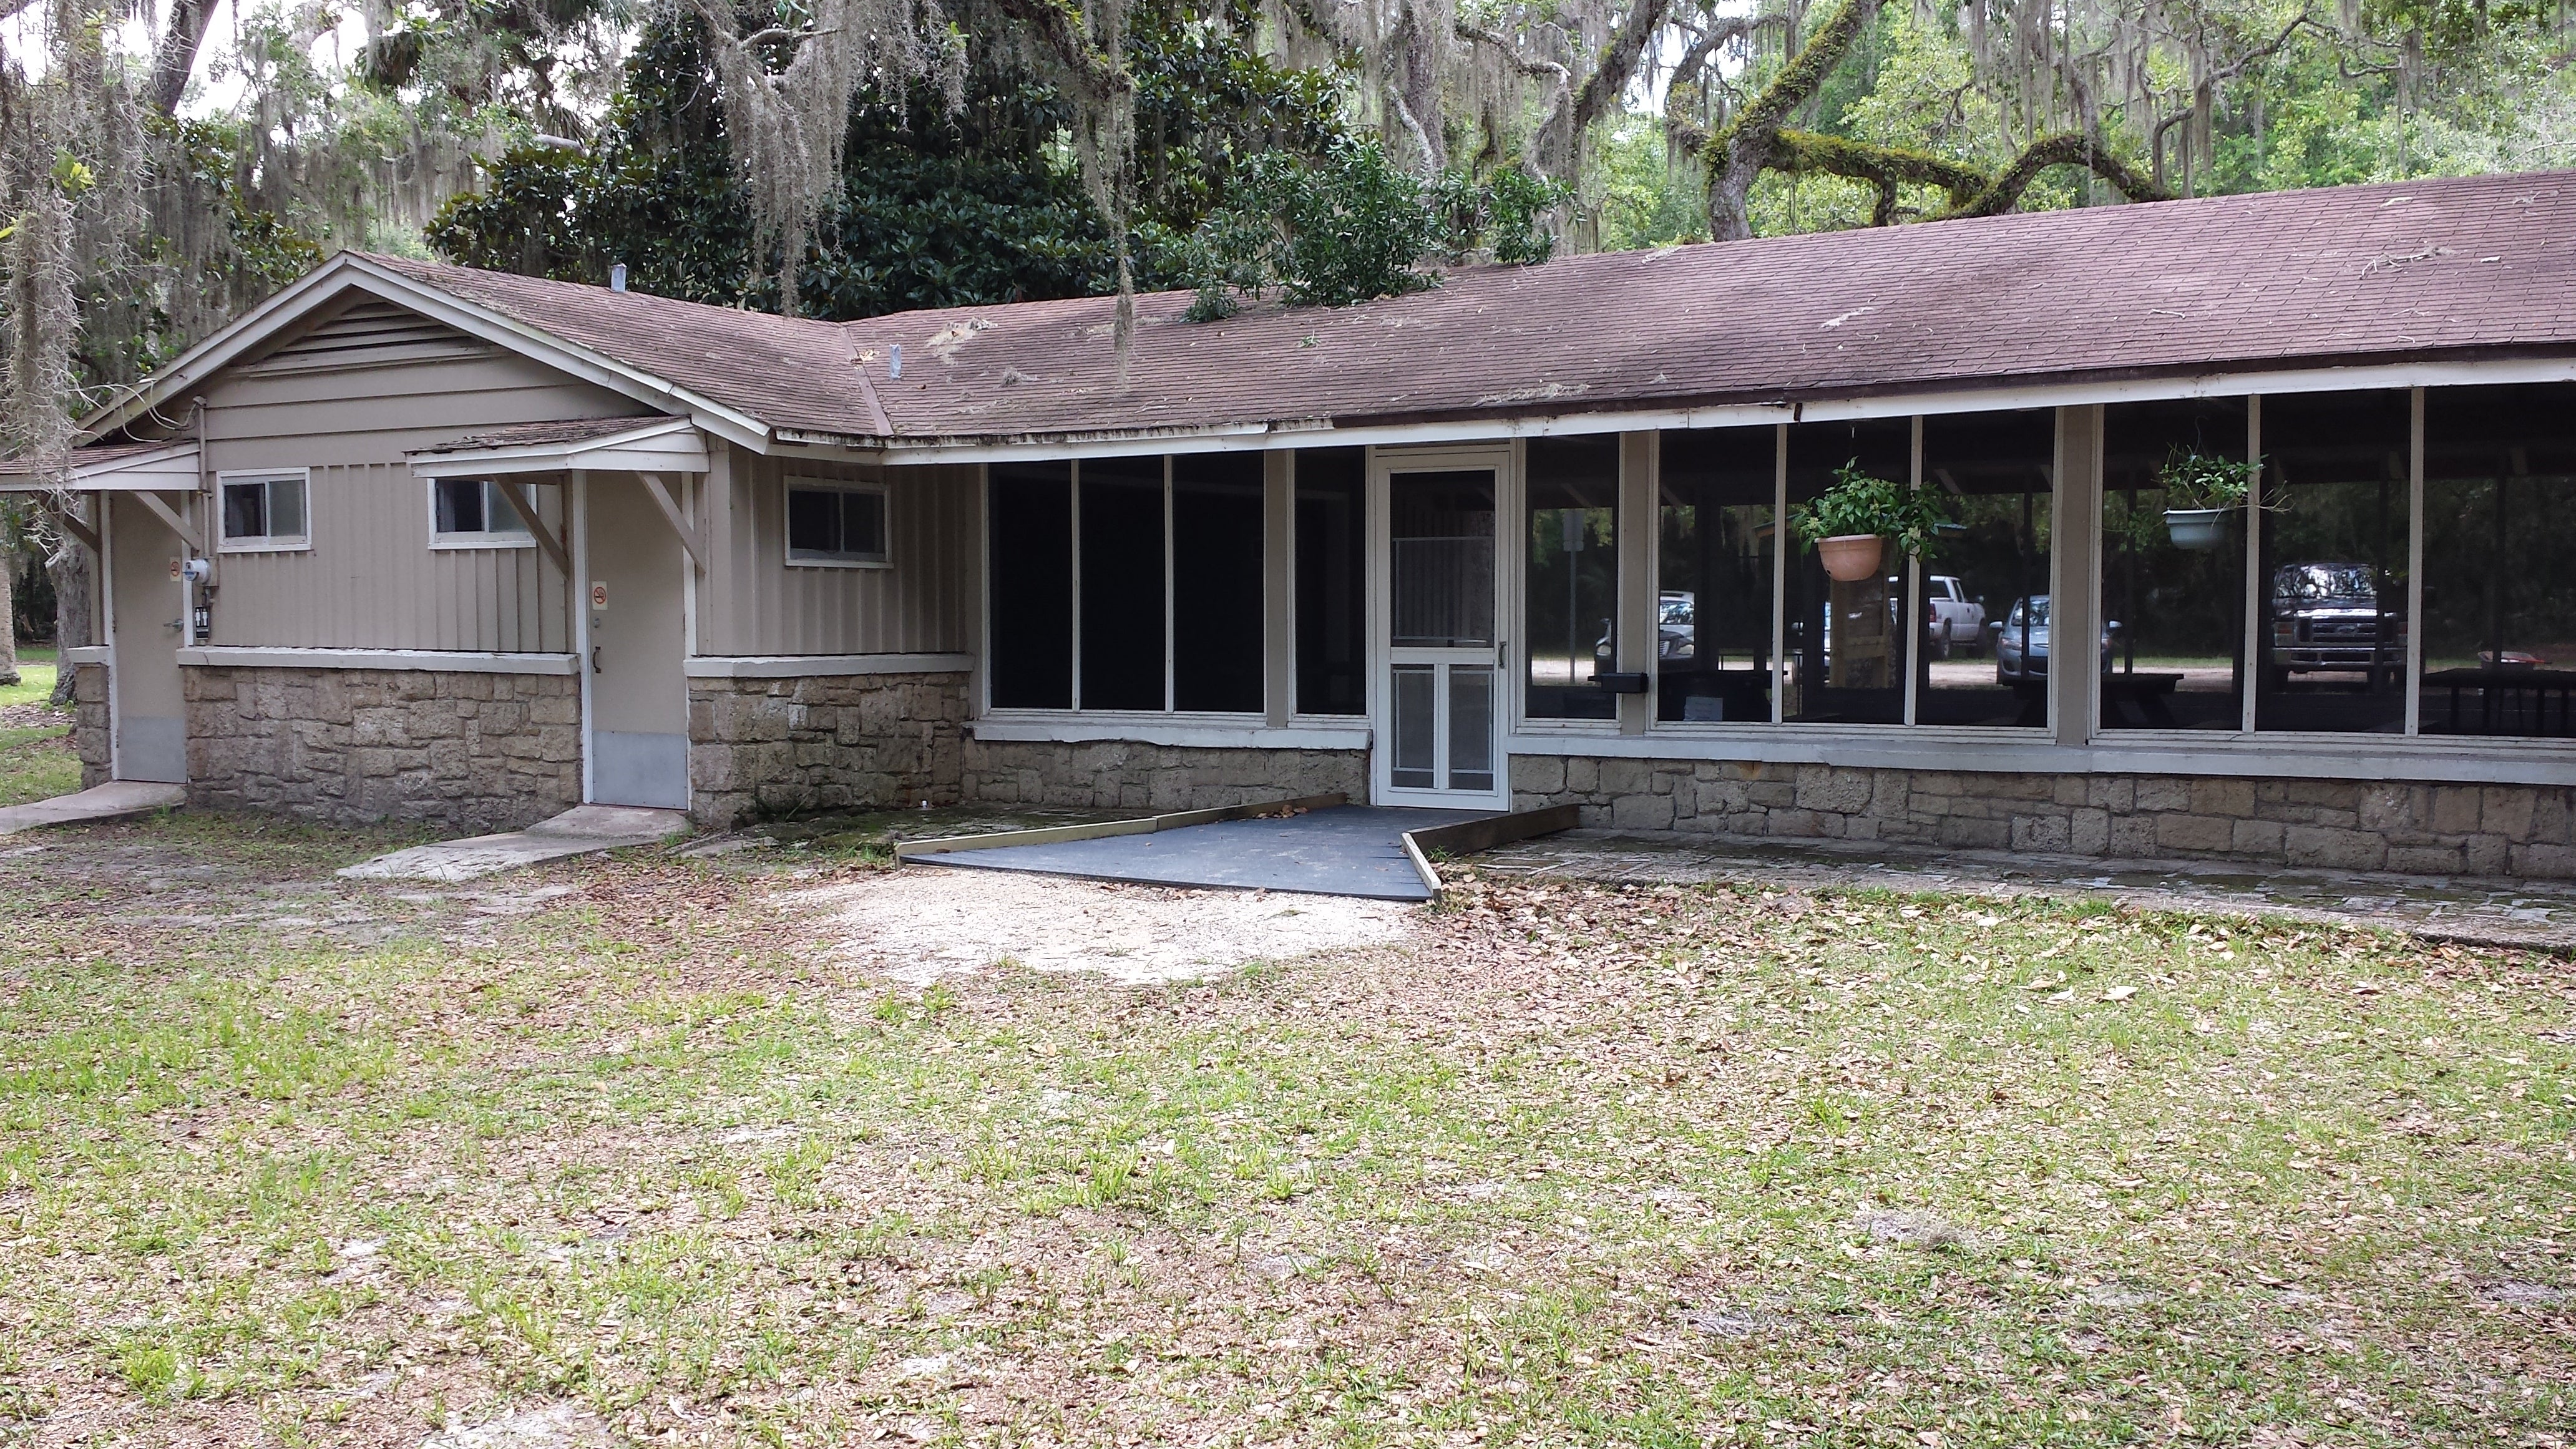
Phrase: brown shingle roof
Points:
(2477, 266)
(790, 373)
(537, 435)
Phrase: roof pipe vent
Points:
(896, 369)
(617, 277)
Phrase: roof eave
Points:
(2535, 362)
(298, 298)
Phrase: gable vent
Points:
(369, 334)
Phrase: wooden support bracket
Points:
(666, 497)
(517, 492)
(72, 523)
(170, 516)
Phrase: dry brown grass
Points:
(1579, 1165)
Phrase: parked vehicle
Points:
(2327, 616)
(2022, 654)
(1676, 632)
(1951, 620)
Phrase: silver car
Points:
(2021, 641)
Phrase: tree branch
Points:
(175, 58)
(1609, 80)
(2004, 192)
(1749, 142)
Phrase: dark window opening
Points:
(836, 525)
(264, 509)
(1571, 583)
(2333, 538)
(1332, 534)
(1718, 546)
(1029, 512)
(2499, 584)
(2171, 651)
(1217, 582)
(1990, 571)
(1122, 584)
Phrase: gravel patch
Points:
(919, 925)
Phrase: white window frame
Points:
(264, 543)
(885, 521)
(518, 536)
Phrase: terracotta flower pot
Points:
(1851, 557)
(2197, 529)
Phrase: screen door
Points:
(1439, 718)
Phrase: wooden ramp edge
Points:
(1470, 836)
(1101, 830)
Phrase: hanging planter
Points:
(2202, 491)
(1850, 557)
(2197, 529)
(1851, 522)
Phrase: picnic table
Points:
(2144, 696)
(2492, 681)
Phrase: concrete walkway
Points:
(110, 801)
(1346, 850)
(2471, 909)
(578, 831)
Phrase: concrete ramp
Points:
(1318, 846)
(113, 800)
(577, 831)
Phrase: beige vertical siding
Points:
(754, 602)
(346, 400)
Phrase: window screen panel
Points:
(286, 508)
(1029, 508)
(1718, 548)
(461, 505)
(245, 510)
(1217, 582)
(2499, 647)
(1996, 475)
(1846, 652)
(1122, 584)
(863, 524)
(2330, 640)
(2171, 652)
(1332, 613)
(1571, 576)
(814, 522)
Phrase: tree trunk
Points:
(75, 623)
(1750, 141)
(8, 613)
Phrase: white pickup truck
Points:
(1951, 620)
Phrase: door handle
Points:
(594, 659)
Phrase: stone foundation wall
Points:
(90, 723)
(465, 750)
(1122, 775)
(767, 747)
(2525, 830)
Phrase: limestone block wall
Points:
(461, 749)
(2418, 829)
(90, 723)
(760, 748)
(1124, 775)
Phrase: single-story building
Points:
(423, 542)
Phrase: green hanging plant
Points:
(1860, 503)
(2194, 479)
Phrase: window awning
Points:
(114, 468)
(606, 445)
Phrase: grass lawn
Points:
(290, 1160)
(36, 758)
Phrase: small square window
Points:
(845, 526)
(264, 513)
(474, 513)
